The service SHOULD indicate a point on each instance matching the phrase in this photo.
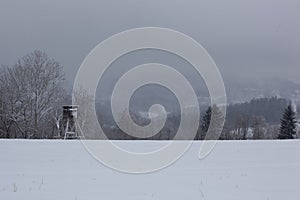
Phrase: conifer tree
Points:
(216, 123)
(288, 124)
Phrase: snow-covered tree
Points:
(32, 90)
(204, 124)
(86, 121)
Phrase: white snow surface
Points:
(243, 170)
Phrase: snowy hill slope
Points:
(41, 169)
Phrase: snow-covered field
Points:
(41, 169)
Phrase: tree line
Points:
(243, 121)
(32, 93)
(250, 125)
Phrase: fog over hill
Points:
(255, 44)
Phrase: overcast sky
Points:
(245, 38)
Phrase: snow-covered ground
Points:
(41, 169)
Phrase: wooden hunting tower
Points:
(70, 121)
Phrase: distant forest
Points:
(242, 119)
(33, 91)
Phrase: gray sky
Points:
(245, 38)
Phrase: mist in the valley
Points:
(255, 44)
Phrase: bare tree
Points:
(33, 87)
(258, 125)
(86, 123)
